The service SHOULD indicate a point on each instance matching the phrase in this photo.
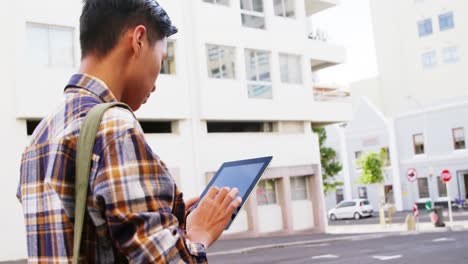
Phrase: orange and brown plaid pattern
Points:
(135, 212)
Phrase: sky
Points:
(349, 24)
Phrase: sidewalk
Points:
(398, 227)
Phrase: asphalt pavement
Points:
(428, 248)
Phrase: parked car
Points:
(356, 209)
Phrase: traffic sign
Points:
(428, 205)
(415, 211)
(446, 176)
(411, 174)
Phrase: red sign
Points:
(411, 174)
(415, 211)
(446, 176)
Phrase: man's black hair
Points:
(102, 23)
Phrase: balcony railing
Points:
(325, 93)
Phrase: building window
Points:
(429, 59)
(290, 67)
(219, 2)
(31, 125)
(458, 138)
(423, 186)
(285, 8)
(50, 46)
(418, 144)
(241, 127)
(339, 195)
(258, 74)
(357, 157)
(442, 187)
(385, 152)
(221, 62)
(425, 27)
(266, 192)
(362, 192)
(299, 190)
(450, 54)
(446, 21)
(156, 127)
(169, 65)
(252, 13)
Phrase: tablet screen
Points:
(238, 176)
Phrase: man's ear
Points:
(138, 39)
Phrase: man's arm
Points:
(138, 195)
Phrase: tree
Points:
(372, 164)
(330, 166)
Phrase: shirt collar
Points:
(92, 85)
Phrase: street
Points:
(429, 248)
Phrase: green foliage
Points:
(330, 166)
(371, 164)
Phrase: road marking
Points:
(443, 239)
(325, 257)
(383, 258)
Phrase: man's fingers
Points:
(222, 194)
(212, 192)
(192, 201)
(234, 205)
(229, 197)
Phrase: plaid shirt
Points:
(135, 213)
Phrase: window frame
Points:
(425, 27)
(455, 139)
(442, 184)
(450, 54)
(49, 28)
(283, 9)
(415, 151)
(306, 187)
(220, 61)
(276, 202)
(429, 59)
(364, 188)
(258, 14)
(166, 64)
(289, 81)
(446, 21)
(428, 188)
(258, 81)
(216, 2)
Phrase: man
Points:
(135, 213)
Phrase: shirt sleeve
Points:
(138, 195)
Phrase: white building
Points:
(421, 49)
(238, 85)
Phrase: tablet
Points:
(242, 174)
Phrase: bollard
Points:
(410, 222)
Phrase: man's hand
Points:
(206, 222)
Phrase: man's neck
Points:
(107, 71)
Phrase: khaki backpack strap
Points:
(84, 153)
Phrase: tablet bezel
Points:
(266, 162)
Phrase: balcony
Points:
(315, 6)
(330, 92)
(323, 53)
